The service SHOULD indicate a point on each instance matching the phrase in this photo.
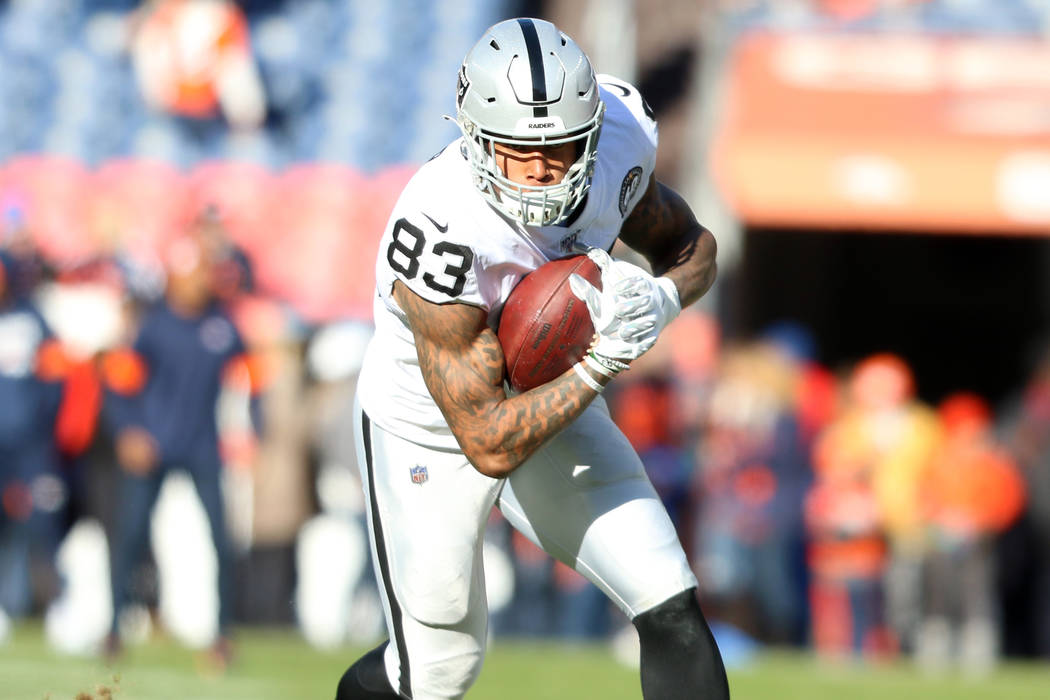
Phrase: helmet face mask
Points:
(527, 85)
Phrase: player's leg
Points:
(16, 591)
(206, 475)
(366, 679)
(586, 499)
(426, 515)
(130, 539)
(679, 656)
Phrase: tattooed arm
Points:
(663, 229)
(462, 364)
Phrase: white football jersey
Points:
(449, 246)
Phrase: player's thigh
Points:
(585, 498)
(426, 509)
(426, 514)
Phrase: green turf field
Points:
(277, 664)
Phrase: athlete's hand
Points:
(620, 338)
(136, 451)
(639, 294)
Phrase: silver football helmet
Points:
(527, 83)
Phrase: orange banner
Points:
(888, 132)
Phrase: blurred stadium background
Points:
(852, 430)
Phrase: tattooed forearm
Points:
(520, 424)
(663, 229)
(462, 364)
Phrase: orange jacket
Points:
(972, 488)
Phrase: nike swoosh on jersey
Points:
(439, 227)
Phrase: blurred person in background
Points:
(881, 445)
(752, 474)
(581, 611)
(193, 58)
(693, 348)
(644, 410)
(898, 434)
(88, 308)
(682, 368)
(270, 448)
(971, 492)
(815, 404)
(232, 272)
(531, 610)
(26, 266)
(1025, 429)
(32, 492)
(816, 388)
(846, 551)
(166, 419)
(550, 599)
(337, 604)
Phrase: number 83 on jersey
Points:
(409, 244)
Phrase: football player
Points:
(552, 160)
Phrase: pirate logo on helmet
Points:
(462, 84)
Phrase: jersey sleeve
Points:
(631, 119)
(632, 100)
(430, 255)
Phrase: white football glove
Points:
(626, 314)
(618, 341)
(640, 294)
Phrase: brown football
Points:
(545, 329)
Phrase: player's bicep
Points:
(459, 356)
(662, 227)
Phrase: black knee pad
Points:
(366, 679)
(678, 619)
(679, 656)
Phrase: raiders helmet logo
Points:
(462, 84)
(631, 181)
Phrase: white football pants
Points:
(584, 498)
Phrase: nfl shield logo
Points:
(419, 474)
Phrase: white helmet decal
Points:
(526, 83)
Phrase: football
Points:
(545, 329)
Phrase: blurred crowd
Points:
(830, 507)
(834, 507)
(192, 339)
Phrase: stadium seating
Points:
(350, 81)
(355, 92)
(1008, 17)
